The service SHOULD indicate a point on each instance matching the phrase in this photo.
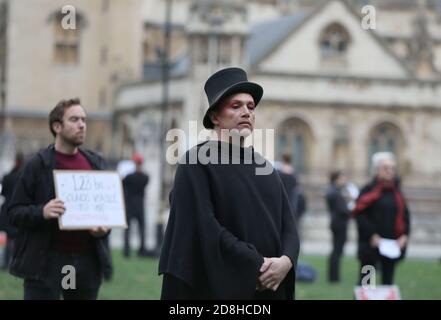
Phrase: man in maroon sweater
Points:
(43, 250)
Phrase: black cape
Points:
(224, 218)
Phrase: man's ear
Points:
(56, 126)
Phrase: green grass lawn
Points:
(137, 278)
(417, 279)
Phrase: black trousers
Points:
(382, 264)
(139, 218)
(73, 276)
(338, 242)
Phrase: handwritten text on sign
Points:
(92, 199)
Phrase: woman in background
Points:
(381, 213)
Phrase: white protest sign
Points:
(378, 293)
(92, 199)
(389, 248)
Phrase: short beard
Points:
(73, 142)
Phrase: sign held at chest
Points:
(92, 199)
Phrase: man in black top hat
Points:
(231, 233)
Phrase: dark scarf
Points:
(368, 198)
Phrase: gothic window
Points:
(202, 50)
(153, 45)
(225, 51)
(385, 137)
(294, 137)
(105, 6)
(67, 41)
(334, 43)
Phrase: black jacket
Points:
(295, 193)
(134, 187)
(8, 185)
(35, 187)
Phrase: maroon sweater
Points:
(71, 241)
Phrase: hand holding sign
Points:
(389, 248)
(53, 209)
(99, 232)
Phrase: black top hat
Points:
(227, 82)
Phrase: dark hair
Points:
(19, 158)
(57, 113)
(286, 158)
(334, 176)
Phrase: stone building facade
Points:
(335, 93)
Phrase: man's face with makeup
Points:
(235, 112)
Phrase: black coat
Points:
(223, 220)
(134, 190)
(35, 187)
(294, 192)
(338, 208)
(8, 185)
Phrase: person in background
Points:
(381, 212)
(339, 212)
(8, 183)
(292, 187)
(134, 192)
